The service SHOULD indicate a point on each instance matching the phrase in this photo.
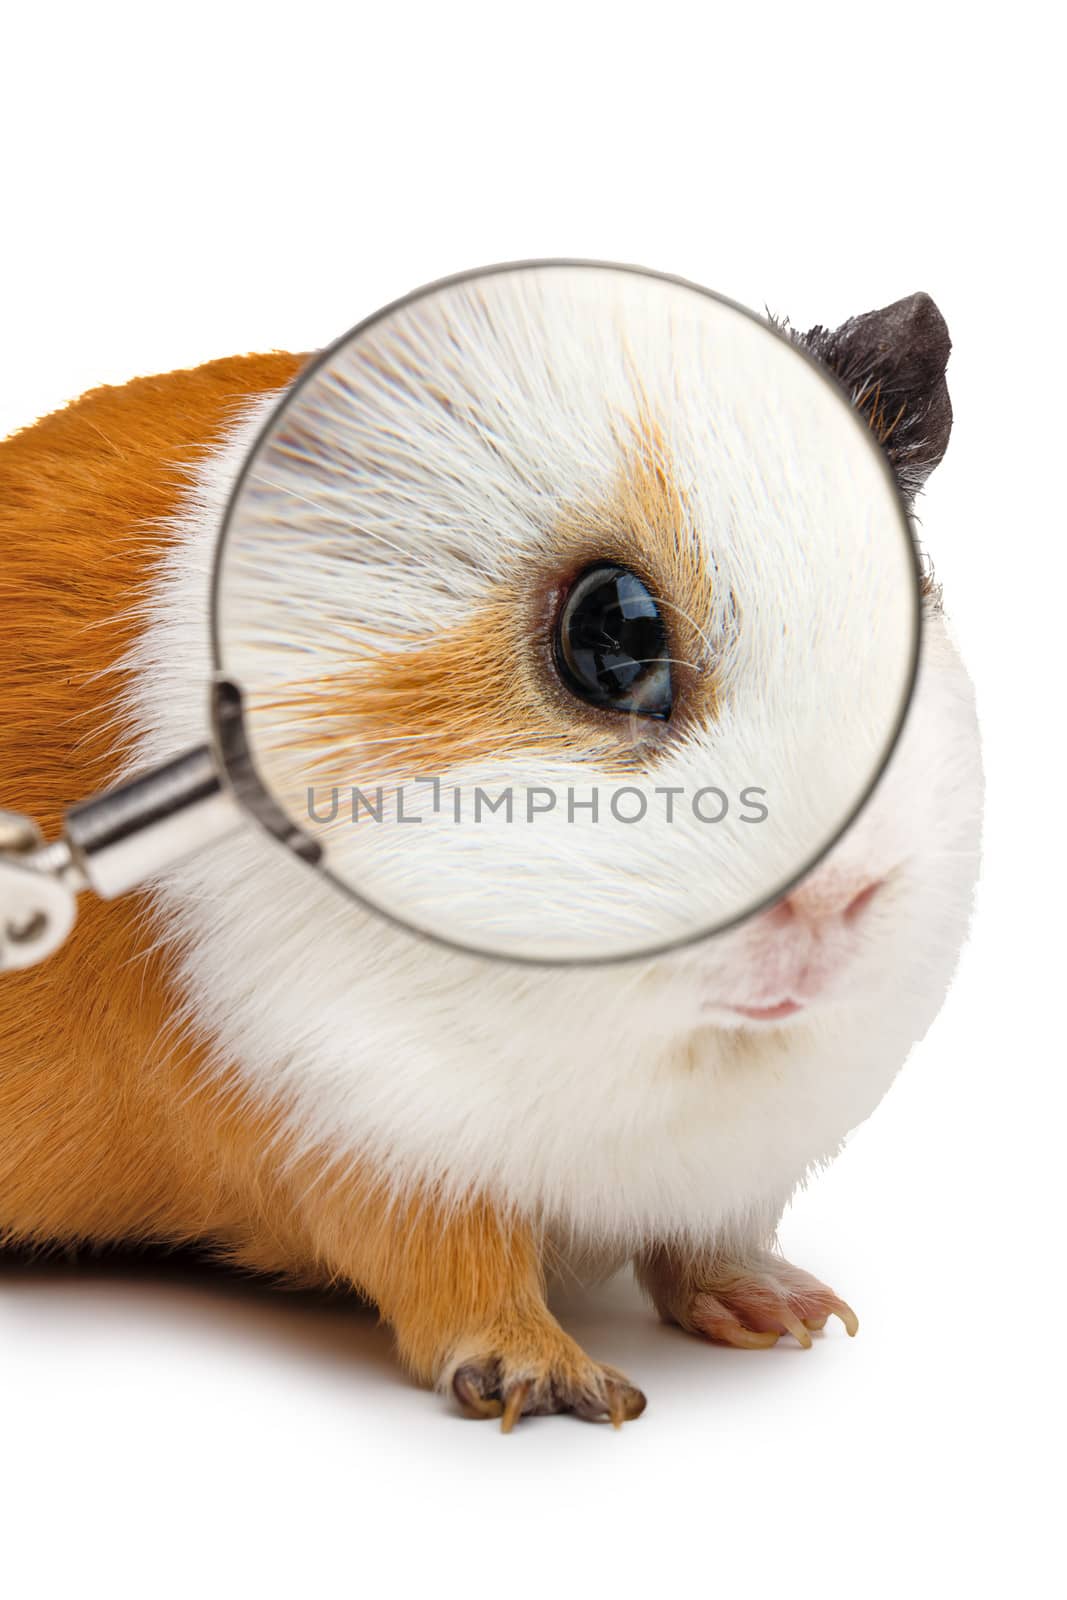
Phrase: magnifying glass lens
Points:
(574, 612)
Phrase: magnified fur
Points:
(421, 517)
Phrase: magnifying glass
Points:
(562, 613)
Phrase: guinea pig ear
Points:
(892, 362)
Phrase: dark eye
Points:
(611, 645)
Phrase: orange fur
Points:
(110, 1130)
(85, 1147)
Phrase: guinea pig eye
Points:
(611, 645)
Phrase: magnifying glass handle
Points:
(123, 836)
(110, 844)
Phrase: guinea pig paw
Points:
(521, 1383)
(751, 1308)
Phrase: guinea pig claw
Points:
(624, 1403)
(848, 1317)
(793, 1325)
(742, 1338)
(466, 1386)
(615, 1401)
(513, 1407)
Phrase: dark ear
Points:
(892, 362)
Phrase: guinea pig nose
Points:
(831, 895)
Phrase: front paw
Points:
(748, 1303)
(519, 1374)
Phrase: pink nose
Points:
(829, 896)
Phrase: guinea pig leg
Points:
(745, 1298)
(463, 1289)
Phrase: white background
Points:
(186, 182)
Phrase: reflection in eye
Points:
(611, 644)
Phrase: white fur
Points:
(618, 1104)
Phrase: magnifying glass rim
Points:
(557, 263)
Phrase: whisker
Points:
(322, 505)
(353, 739)
(694, 625)
(675, 661)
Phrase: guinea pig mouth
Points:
(775, 1013)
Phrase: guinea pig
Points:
(239, 1058)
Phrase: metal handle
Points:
(123, 836)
